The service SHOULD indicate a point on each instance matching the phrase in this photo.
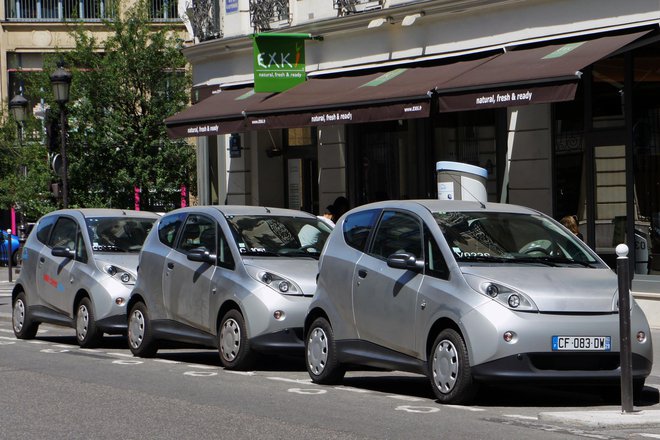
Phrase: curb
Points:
(603, 419)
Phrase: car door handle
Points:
(362, 273)
(170, 265)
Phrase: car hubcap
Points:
(82, 322)
(19, 315)
(230, 339)
(317, 350)
(136, 329)
(445, 366)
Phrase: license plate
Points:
(581, 343)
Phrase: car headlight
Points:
(120, 274)
(508, 297)
(276, 282)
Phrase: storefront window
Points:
(646, 158)
(568, 162)
(469, 137)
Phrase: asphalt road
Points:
(53, 389)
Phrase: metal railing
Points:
(269, 14)
(85, 10)
(346, 7)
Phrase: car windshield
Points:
(118, 234)
(270, 235)
(505, 238)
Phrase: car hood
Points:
(557, 289)
(125, 261)
(301, 271)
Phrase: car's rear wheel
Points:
(24, 326)
(449, 369)
(140, 337)
(87, 331)
(321, 354)
(233, 343)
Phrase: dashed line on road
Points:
(115, 353)
(352, 389)
(203, 367)
(166, 361)
(466, 408)
(406, 398)
(643, 434)
(519, 416)
(241, 373)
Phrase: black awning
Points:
(221, 113)
(528, 75)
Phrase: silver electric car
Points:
(464, 293)
(79, 266)
(235, 278)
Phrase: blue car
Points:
(4, 248)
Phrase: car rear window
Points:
(358, 226)
(168, 228)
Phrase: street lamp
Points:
(61, 80)
(18, 108)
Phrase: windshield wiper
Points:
(484, 259)
(260, 254)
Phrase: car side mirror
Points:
(63, 252)
(405, 260)
(201, 255)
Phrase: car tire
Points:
(24, 326)
(88, 334)
(449, 369)
(321, 354)
(233, 344)
(15, 259)
(140, 337)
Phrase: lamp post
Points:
(61, 80)
(18, 109)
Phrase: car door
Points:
(189, 287)
(385, 298)
(54, 274)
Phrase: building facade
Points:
(556, 99)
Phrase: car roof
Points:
(228, 210)
(435, 205)
(108, 212)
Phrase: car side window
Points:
(168, 228)
(44, 228)
(197, 232)
(397, 232)
(435, 263)
(358, 226)
(81, 250)
(64, 234)
(225, 259)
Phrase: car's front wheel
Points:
(140, 337)
(24, 326)
(321, 354)
(87, 331)
(449, 369)
(233, 343)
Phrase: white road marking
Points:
(52, 350)
(7, 338)
(466, 408)
(518, 416)
(201, 373)
(166, 361)
(284, 379)
(7, 342)
(418, 409)
(4, 330)
(127, 362)
(307, 391)
(62, 346)
(406, 398)
(38, 342)
(354, 390)
(643, 434)
(241, 373)
(115, 353)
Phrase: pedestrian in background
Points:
(570, 222)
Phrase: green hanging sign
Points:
(279, 61)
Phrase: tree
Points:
(25, 173)
(122, 89)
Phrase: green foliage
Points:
(122, 90)
(25, 174)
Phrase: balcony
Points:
(269, 14)
(80, 10)
(347, 7)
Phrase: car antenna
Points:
(267, 210)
